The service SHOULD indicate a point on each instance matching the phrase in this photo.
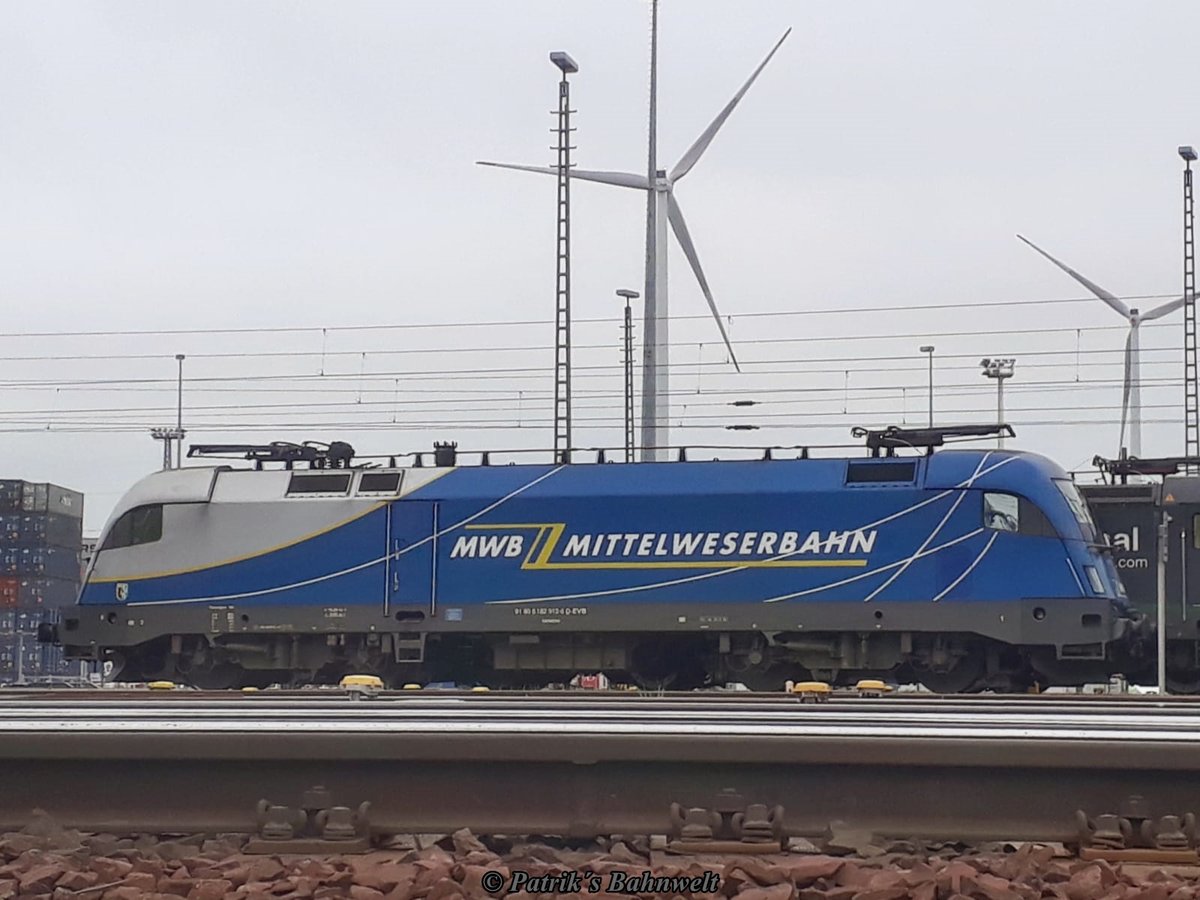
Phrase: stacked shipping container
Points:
(40, 541)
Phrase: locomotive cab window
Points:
(1001, 512)
(1008, 512)
(142, 525)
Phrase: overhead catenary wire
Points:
(812, 394)
(606, 428)
(131, 383)
(799, 383)
(324, 330)
(491, 348)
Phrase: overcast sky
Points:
(169, 165)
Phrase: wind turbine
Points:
(1131, 397)
(662, 208)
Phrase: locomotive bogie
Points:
(1018, 644)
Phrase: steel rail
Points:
(583, 766)
(25, 696)
(351, 719)
(584, 708)
(555, 700)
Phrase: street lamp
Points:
(627, 359)
(929, 348)
(564, 62)
(998, 369)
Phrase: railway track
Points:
(970, 769)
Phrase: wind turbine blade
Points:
(675, 216)
(1165, 310)
(1101, 293)
(697, 149)
(621, 179)
(1128, 382)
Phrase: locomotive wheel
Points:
(263, 678)
(217, 677)
(771, 680)
(668, 663)
(965, 677)
(1186, 682)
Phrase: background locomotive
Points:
(1128, 515)
(959, 568)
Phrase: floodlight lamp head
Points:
(1188, 153)
(928, 348)
(997, 368)
(628, 294)
(564, 62)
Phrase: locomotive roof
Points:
(1012, 470)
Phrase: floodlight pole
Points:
(928, 349)
(654, 325)
(1191, 381)
(562, 287)
(169, 437)
(179, 358)
(999, 370)
(627, 360)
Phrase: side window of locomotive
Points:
(1007, 512)
(1001, 512)
(379, 483)
(142, 525)
(1196, 531)
(898, 471)
(324, 483)
(1034, 521)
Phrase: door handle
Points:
(1183, 585)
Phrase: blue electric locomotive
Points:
(958, 568)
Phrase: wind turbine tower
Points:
(662, 209)
(1131, 394)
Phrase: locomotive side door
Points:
(1183, 568)
(410, 565)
